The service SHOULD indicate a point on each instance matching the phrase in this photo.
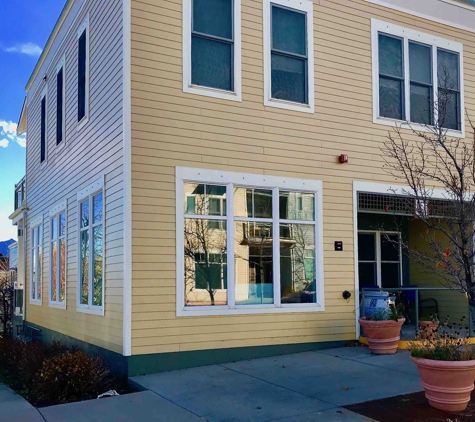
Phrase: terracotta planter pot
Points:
(447, 384)
(382, 336)
(428, 329)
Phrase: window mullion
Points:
(276, 246)
(378, 259)
(90, 300)
(435, 84)
(230, 245)
(407, 84)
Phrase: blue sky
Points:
(24, 29)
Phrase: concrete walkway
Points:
(15, 408)
(303, 387)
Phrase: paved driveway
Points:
(310, 386)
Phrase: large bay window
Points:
(247, 243)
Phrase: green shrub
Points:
(70, 376)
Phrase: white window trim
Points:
(378, 260)
(44, 94)
(55, 213)
(34, 224)
(88, 193)
(302, 6)
(436, 42)
(85, 26)
(188, 87)
(184, 174)
(62, 65)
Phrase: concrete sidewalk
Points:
(303, 387)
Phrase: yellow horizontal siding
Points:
(172, 128)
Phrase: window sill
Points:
(212, 92)
(57, 305)
(83, 122)
(37, 302)
(60, 146)
(249, 310)
(415, 126)
(289, 105)
(90, 310)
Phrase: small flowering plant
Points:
(448, 342)
(392, 313)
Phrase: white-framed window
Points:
(57, 270)
(379, 259)
(212, 48)
(36, 227)
(43, 127)
(412, 70)
(61, 102)
(288, 55)
(260, 251)
(91, 249)
(83, 73)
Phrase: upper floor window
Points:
(247, 243)
(288, 54)
(91, 249)
(58, 256)
(43, 129)
(212, 48)
(36, 260)
(416, 78)
(60, 106)
(83, 72)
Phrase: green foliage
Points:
(70, 376)
(448, 342)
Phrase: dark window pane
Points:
(391, 98)
(84, 214)
(289, 31)
(211, 63)
(59, 106)
(84, 266)
(390, 275)
(213, 17)
(367, 274)
(289, 79)
(97, 208)
(97, 242)
(421, 101)
(366, 247)
(390, 247)
(390, 56)
(420, 63)
(448, 69)
(82, 76)
(448, 108)
(43, 130)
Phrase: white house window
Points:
(379, 259)
(249, 243)
(60, 102)
(91, 250)
(288, 54)
(83, 73)
(412, 71)
(58, 259)
(36, 263)
(212, 48)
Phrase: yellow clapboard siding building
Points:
(204, 178)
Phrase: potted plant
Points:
(428, 327)
(446, 363)
(382, 330)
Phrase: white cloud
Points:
(29, 49)
(8, 131)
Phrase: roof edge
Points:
(21, 126)
(59, 23)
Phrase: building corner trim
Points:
(127, 174)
